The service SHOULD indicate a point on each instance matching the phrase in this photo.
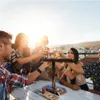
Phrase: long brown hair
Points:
(76, 55)
(18, 39)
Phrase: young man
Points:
(93, 70)
(8, 79)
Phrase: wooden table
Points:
(27, 93)
(53, 61)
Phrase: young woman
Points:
(69, 77)
(21, 56)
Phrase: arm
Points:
(59, 65)
(27, 59)
(88, 70)
(72, 86)
(70, 74)
(32, 76)
(16, 79)
(76, 68)
(39, 54)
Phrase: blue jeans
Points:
(1, 91)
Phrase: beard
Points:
(7, 58)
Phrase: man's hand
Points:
(44, 66)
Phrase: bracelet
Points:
(39, 70)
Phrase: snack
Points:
(46, 94)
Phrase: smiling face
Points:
(73, 54)
(70, 54)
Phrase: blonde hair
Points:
(18, 39)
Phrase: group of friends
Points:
(20, 67)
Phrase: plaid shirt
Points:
(12, 79)
(8, 80)
(9, 65)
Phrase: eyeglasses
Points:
(7, 43)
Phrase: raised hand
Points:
(44, 66)
(42, 52)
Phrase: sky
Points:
(63, 21)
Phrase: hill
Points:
(89, 44)
(84, 44)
